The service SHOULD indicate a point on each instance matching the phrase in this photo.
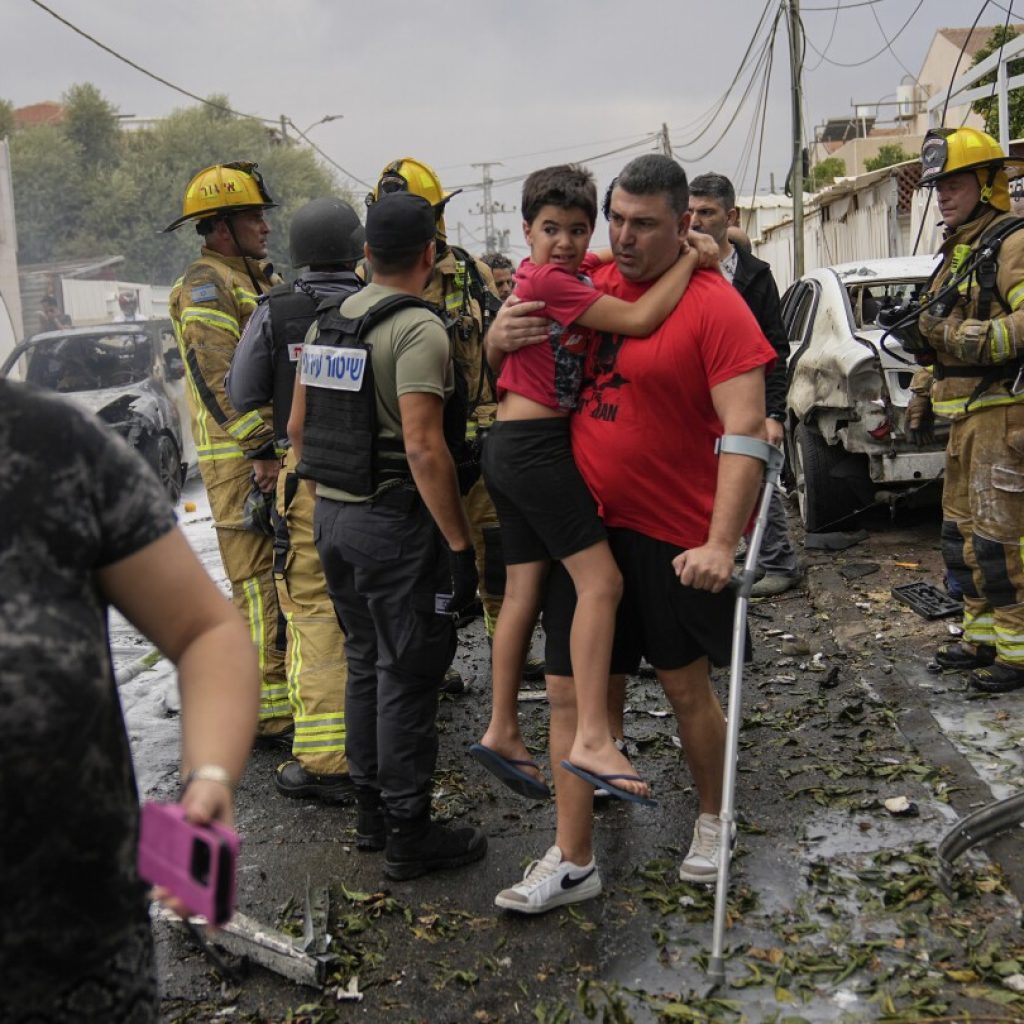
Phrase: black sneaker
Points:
(417, 848)
(293, 780)
(275, 741)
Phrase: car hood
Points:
(97, 401)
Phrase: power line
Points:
(866, 60)
(334, 163)
(828, 45)
(544, 152)
(150, 74)
(888, 43)
(200, 99)
(765, 51)
(844, 7)
(716, 108)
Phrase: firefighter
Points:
(973, 321)
(209, 306)
(463, 292)
(324, 235)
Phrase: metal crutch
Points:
(772, 457)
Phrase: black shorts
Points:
(544, 506)
(668, 624)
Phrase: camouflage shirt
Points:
(75, 944)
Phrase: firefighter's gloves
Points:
(938, 331)
(462, 565)
(920, 421)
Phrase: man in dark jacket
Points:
(713, 206)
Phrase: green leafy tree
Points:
(81, 190)
(889, 154)
(825, 172)
(6, 118)
(91, 125)
(989, 108)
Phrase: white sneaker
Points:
(701, 863)
(551, 882)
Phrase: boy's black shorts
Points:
(544, 506)
(668, 624)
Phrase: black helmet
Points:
(325, 231)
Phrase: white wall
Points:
(10, 293)
(95, 302)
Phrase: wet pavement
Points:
(835, 910)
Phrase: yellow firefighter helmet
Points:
(223, 188)
(948, 151)
(409, 175)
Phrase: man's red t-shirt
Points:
(645, 428)
(551, 373)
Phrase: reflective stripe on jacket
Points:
(209, 307)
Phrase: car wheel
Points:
(168, 467)
(823, 497)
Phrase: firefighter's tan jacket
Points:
(209, 307)
(449, 289)
(961, 339)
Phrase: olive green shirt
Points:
(411, 353)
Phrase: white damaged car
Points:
(849, 385)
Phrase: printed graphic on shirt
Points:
(569, 347)
(601, 390)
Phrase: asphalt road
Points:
(835, 912)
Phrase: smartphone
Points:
(194, 862)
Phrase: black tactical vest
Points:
(291, 310)
(340, 446)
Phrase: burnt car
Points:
(849, 385)
(126, 373)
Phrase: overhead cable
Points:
(866, 60)
(149, 74)
(715, 109)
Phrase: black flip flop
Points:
(604, 782)
(508, 771)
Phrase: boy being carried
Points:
(546, 511)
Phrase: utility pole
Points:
(494, 241)
(666, 144)
(796, 70)
(284, 128)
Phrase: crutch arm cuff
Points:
(754, 447)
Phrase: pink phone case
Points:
(195, 862)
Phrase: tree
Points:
(91, 125)
(989, 108)
(6, 118)
(825, 172)
(889, 154)
(87, 187)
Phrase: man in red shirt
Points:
(643, 438)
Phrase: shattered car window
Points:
(867, 300)
(91, 362)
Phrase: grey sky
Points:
(528, 83)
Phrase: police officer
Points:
(973, 320)
(390, 529)
(209, 306)
(462, 290)
(326, 236)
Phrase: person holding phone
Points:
(84, 524)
